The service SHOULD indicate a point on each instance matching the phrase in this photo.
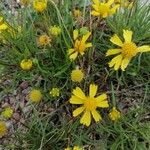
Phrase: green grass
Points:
(129, 90)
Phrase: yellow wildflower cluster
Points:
(55, 92)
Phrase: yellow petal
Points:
(113, 10)
(101, 98)
(113, 52)
(103, 104)
(93, 90)
(73, 56)
(105, 15)
(86, 118)
(118, 62)
(78, 111)
(88, 45)
(95, 13)
(70, 51)
(85, 37)
(144, 48)
(125, 63)
(95, 7)
(116, 40)
(79, 93)
(110, 2)
(127, 35)
(114, 60)
(97, 2)
(76, 100)
(96, 116)
(75, 34)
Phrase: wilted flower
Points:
(44, 40)
(3, 129)
(24, 2)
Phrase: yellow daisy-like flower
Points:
(55, 30)
(44, 40)
(127, 51)
(103, 9)
(114, 114)
(77, 75)
(89, 104)
(7, 113)
(74, 148)
(80, 45)
(24, 2)
(55, 92)
(35, 96)
(3, 129)
(39, 5)
(26, 64)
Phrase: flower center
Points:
(90, 104)
(103, 9)
(129, 49)
(80, 46)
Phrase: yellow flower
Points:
(103, 9)
(44, 40)
(39, 5)
(35, 96)
(54, 30)
(114, 114)
(77, 13)
(77, 148)
(80, 45)
(74, 148)
(127, 51)
(24, 2)
(26, 64)
(89, 104)
(3, 129)
(124, 3)
(3, 25)
(77, 75)
(7, 113)
(54, 92)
